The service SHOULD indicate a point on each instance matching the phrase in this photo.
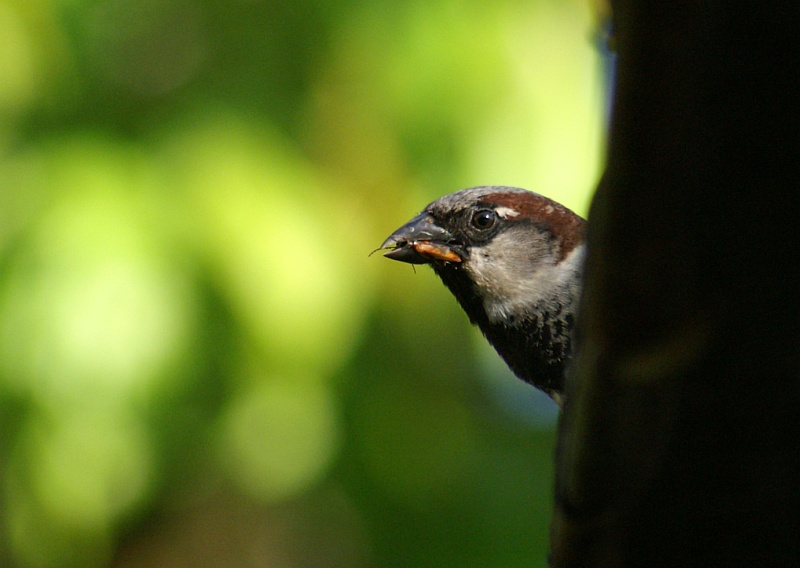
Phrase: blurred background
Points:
(200, 365)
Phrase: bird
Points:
(513, 259)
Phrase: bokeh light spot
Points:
(292, 262)
(91, 466)
(72, 476)
(92, 305)
(279, 437)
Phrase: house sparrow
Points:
(513, 259)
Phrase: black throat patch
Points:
(537, 347)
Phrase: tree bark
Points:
(678, 444)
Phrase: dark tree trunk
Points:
(679, 443)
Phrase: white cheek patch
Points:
(506, 212)
(510, 284)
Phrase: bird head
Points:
(513, 260)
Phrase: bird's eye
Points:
(484, 219)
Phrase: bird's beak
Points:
(421, 241)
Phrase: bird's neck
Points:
(536, 347)
(535, 343)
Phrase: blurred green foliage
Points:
(199, 363)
